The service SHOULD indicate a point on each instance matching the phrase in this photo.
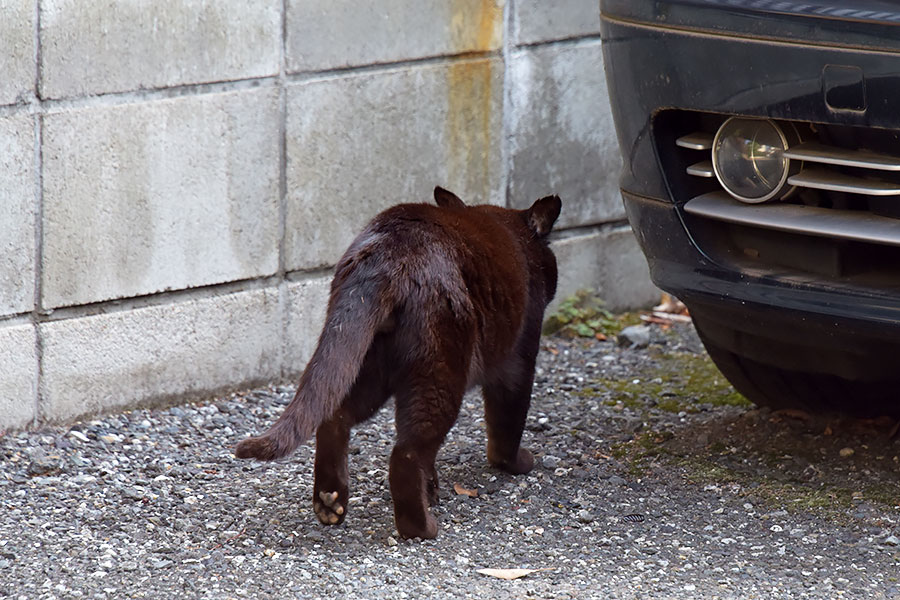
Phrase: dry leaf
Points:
(464, 492)
(508, 574)
(670, 304)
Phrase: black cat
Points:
(427, 302)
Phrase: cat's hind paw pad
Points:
(328, 509)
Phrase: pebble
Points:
(131, 493)
(585, 516)
(44, 465)
(79, 436)
(550, 462)
(636, 336)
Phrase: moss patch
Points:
(639, 451)
(793, 496)
(686, 417)
(676, 382)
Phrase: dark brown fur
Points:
(427, 302)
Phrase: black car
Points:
(761, 141)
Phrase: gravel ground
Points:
(652, 480)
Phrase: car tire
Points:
(779, 388)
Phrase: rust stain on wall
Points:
(477, 27)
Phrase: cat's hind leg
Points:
(331, 479)
(425, 413)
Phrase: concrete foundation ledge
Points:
(109, 361)
(18, 376)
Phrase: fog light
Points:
(748, 159)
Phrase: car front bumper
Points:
(818, 327)
(660, 61)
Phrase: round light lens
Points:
(748, 159)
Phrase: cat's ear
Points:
(447, 199)
(543, 214)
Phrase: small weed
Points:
(584, 315)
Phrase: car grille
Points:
(818, 172)
(841, 220)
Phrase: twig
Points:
(231, 539)
(672, 316)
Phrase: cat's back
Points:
(466, 250)
(423, 229)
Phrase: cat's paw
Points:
(425, 528)
(328, 509)
(522, 464)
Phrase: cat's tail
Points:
(360, 303)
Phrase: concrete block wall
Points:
(178, 178)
